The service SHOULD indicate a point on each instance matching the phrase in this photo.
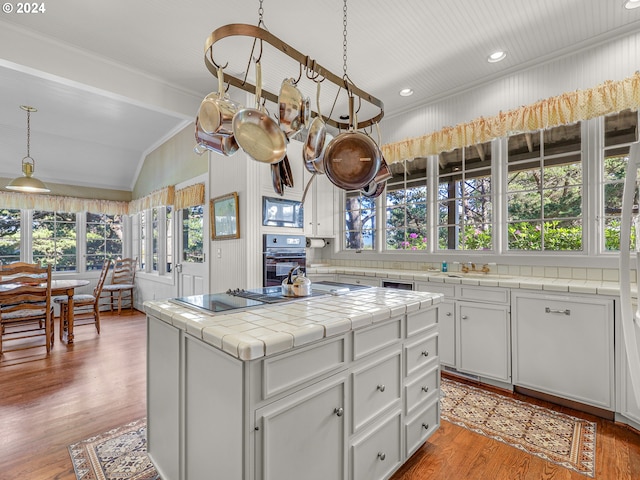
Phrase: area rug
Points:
(562, 439)
(119, 454)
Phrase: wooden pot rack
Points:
(241, 29)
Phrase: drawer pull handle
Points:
(448, 314)
(338, 411)
(464, 317)
(425, 353)
(425, 426)
(425, 389)
(566, 311)
(381, 456)
(382, 388)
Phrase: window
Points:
(360, 221)
(544, 190)
(620, 130)
(464, 199)
(143, 241)
(406, 206)
(54, 240)
(104, 239)
(154, 239)
(169, 240)
(193, 234)
(9, 236)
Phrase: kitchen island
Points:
(323, 387)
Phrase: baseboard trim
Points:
(581, 407)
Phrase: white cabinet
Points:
(483, 346)
(319, 206)
(303, 435)
(446, 321)
(564, 346)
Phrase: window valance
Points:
(609, 97)
(56, 203)
(190, 196)
(158, 198)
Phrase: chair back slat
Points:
(124, 271)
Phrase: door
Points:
(303, 435)
(484, 340)
(192, 266)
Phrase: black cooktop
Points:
(240, 298)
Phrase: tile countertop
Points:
(568, 285)
(260, 331)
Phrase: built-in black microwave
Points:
(282, 212)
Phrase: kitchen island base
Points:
(351, 406)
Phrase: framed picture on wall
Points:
(225, 217)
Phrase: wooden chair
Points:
(122, 283)
(85, 306)
(25, 304)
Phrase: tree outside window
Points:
(544, 190)
(9, 236)
(193, 234)
(406, 206)
(104, 239)
(465, 208)
(360, 221)
(54, 240)
(620, 130)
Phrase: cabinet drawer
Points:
(376, 386)
(360, 280)
(422, 426)
(290, 369)
(420, 390)
(421, 352)
(421, 320)
(446, 290)
(378, 453)
(483, 294)
(372, 339)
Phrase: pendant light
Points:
(28, 183)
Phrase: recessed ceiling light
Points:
(631, 4)
(406, 92)
(496, 56)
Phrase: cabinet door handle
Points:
(425, 353)
(338, 411)
(381, 456)
(382, 388)
(425, 389)
(448, 314)
(464, 317)
(566, 311)
(425, 426)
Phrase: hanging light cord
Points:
(28, 134)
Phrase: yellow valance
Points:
(610, 97)
(190, 196)
(162, 197)
(55, 203)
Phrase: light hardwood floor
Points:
(48, 403)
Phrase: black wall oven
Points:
(280, 254)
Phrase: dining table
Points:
(67, 287)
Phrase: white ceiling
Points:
(114, 79)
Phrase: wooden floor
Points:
(47, 403)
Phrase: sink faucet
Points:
(468, 267)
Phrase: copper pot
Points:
(352, 159)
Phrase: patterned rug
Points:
(119, 454)
(562, 439)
